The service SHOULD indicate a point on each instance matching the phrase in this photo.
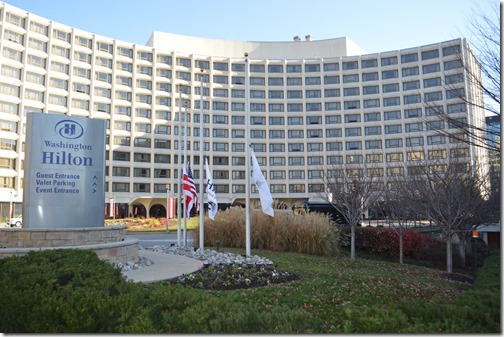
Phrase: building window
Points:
(373, 144)
(388, 61)
(371, 103)
(357, 145)
(257, 68)
(293, 81)
(331, 66)
(352, 132)
(413, 127)
(391, 101)
(411, 85)
(296, 147)
(388, 74)
(294, 68)
(414, 141)
(353, 78)
(407, 58)
(349, 105)
(277, 161)
(393, 87)
(350, 65)
(332, 133)
(312, 80)
(353, 118)
(433, 96)
(394, 157)
(372, 117)
(455, 64)
(369, 63)
(296, 174)
(430, 54)
(369, 77)
(312, 68)
(393, 143)
(295, 121)
(372, 130)
(435, 140)
(431, 68)
(296, 161)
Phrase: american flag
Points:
(189, 190)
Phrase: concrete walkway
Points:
(165, 267)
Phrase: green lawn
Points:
(335, 295)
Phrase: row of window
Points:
(295, 187)
(9, 182)
(118, 171)
(299, 161)
(224, 79)
(58, 83)
(62, 100)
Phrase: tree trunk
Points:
(352, 244)
(462, 249)
(449, 257)
(401, 258)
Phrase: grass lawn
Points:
(334, 295)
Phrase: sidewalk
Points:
(165, 267)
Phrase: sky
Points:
(374, 25)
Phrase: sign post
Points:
(64, 172)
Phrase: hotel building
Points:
(312, 104)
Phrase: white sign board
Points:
(64, 172)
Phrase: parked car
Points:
(16, 221)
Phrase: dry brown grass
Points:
(311, 233)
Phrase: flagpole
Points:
(202, 145)
(247, 160)
(179, 203)
(185, 163)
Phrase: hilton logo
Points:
(69, 129)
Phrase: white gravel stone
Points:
(208, 257)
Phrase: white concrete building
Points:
(312, 104)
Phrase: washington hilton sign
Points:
(64, 172)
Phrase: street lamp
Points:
(475, 237)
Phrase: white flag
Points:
(262, 186)
(213, 206)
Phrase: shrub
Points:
(385, 242)
(65, 291)
(311, 233)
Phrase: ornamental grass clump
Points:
(310, 233)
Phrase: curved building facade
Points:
(311, 104)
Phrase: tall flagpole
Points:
(179, 203)
(185, 163)
(202, 145)
(247, 160)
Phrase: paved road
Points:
(153, 239)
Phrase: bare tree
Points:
(351, 189)
(476, 86)
(396, 204)
(451, 195)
